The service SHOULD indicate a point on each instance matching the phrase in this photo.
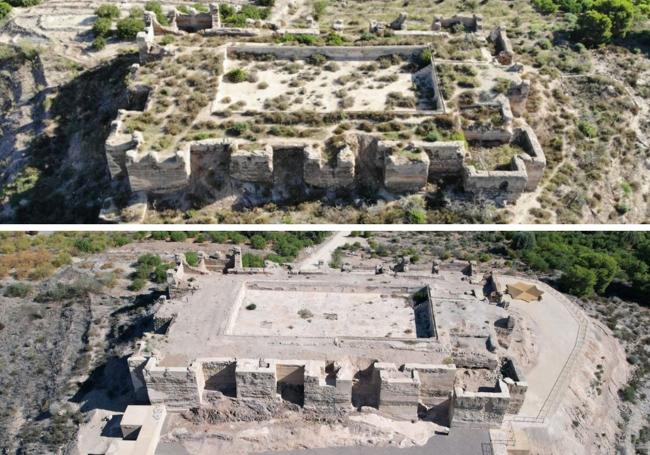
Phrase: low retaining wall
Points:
(341, 53)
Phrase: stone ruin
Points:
(302, 169)
(331, 375)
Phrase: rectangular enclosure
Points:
(324, 314)
(327, 79)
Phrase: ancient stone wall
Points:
(480, 408)
(425, 321)
(508, 185)
(255, 379)
(473, 22)
(445, 158)
(321, 174)
(517, 385)
(534, 158)
(340, 53)
(399, 391)
(327, 386)
(404, 171)
(219, 375)
(436, 381)
(117, 144)
(153, 173)
(178, 388)
(252, 165)
(504, 52)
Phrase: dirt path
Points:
(557, 331)
(324, 251)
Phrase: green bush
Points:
(5, 9)
(102, 26)
(99, 43)
(129, 27)
(160, 235)
(546, 6)
(593, 28)
(319, 7)
(237, 129)
(252, 260)
(425, 58)
(258, 242)
(156, 8)
(417, 216)
(108, 11)
(137, 284)
(588, 129)
(192, 258)
(177, 236)
(237, 75)
(21, 290)
(79, 289)
(334, 39)
(24, 2)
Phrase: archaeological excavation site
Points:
(270, 113)
(432, 355)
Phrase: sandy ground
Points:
(361, 314)
(368, 93)
(556, 331)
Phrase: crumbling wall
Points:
(178, 388)
(508, 185)
(327, 386)
(425, 321)
(117, 144)
(255, 379)
(473, 23)
(341, 53)
(399, 390)
(445, 158)
(252, 165)
(517, 386)
(480, 408)
(436, 381)
(154, 173)
(219, 375)
(137, 364)
(404, 171)
(321, 174)
(503, 47)
(534, 158)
